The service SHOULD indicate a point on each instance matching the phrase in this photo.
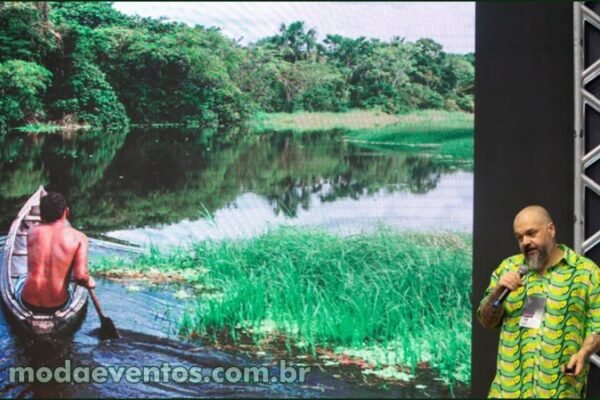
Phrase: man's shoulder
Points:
(38, 231)
(582, 264)
(35, 230)
(577, 260)
(73, 234)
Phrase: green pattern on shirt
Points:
(529, 359)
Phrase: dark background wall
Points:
(523, 139)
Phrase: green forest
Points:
(159, 124)
(74, 64)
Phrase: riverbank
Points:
(64, 128)
(396, 301)
(445, 133)
(314, 121)
(357, 120)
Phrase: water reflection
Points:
(76, 163)
(70, 163)
(446, 208)
(150, 177)
(168, 185)
(21, 171)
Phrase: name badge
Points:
(533, 312)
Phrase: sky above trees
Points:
(452, 24)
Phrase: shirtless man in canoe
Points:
(55, 253)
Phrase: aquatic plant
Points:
(392, 299)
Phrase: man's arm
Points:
(576, 364)
(80, 264)
(591, 344)
(488, 315)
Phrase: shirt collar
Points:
(568, 258)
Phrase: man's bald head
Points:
(535, 232)
(535, 212)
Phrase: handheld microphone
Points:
(523, 269)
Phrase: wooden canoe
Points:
(14, 264)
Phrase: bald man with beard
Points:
(550, 321)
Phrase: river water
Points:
(153, 184)
(147, 318)
(166, 188)
(250, 215)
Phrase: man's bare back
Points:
(54, 251)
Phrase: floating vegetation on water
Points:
(181, 294)
(133, 288)
(389, 373)
(153, 266)
(400, 300)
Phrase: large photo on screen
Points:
(278, 196)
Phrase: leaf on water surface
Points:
(133, 288)
(181, 294)
(389, 373)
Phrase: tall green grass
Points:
(438, 132)
(304, 121)
(404, 296)
(442, 133)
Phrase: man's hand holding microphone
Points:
(492, 312)
(509, 281)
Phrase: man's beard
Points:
(537, 261)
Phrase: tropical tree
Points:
(383, 79)
(258, 76)
(89, 14)
(294, 42)
(347, 53)
(175, 77)
(25, 33)
(459, 76)
(428, 60)
(22, 87)
(90, 98)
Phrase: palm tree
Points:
(294, 42)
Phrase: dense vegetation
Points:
(85, 62)
(77, 64)
(393, 299)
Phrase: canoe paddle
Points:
(108, 330)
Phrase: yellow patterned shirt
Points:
(529, 359)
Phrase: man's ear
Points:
(552, 229)
(67, 212)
